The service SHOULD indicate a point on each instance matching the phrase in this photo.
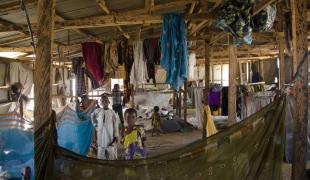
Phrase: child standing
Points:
(106, 123)
(133, 137)
(156, 121)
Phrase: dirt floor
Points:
(170, 142)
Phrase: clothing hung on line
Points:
(138, 74)
(106, 124)
(128, 61)
(173, 46)
(224, 101)
(192, 69)
(92, 54)
(79, 71)
(121, 47)
(114, 55)
(211, 129)
(94, 83)
(151, 51)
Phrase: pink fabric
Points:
(92, 53)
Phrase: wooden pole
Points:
(207, 85)
(280, 41)
(184, 101)
(232, 84)
(43, 63)
(180, 103)
(299, 32)
(280, 37)
(132, 96)
(21, 108)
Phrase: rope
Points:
(297, 73)
(23, 7)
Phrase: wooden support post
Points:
(207, 85)
(280, 37)
(21, 108)
(299, 32)
(232, 84)
(184, 101)
(241, 73)
(132, 99)
(262, 70)
(280, 40)
(43, 63)
(180, 104)
(174, 104)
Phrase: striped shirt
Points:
(116, 97)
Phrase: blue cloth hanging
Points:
(174, 54)
(75, 131)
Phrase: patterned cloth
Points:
(116, 97)
(79, 71)
(174, 54)
(133, 143)
(236, 19)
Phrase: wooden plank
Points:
(43, 63)
(16, 49)
(299, 32)
(262, 5)
(14, 27)
(232, 93)
(180, 103)
(185, 101)
(60, 17)
(122, 19)
(105, 8)
(207, 85)
(281, 42)
(148, 6)
(15, 6)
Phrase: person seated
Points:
(133, 137)
(16, 92)
(155, 121)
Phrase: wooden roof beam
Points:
(207, 22)
(82, 32)
(121, 19)
(148, 6)
(16, 49)
(262, 5)
(14, 27)
(15, 6)
(102, 4)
